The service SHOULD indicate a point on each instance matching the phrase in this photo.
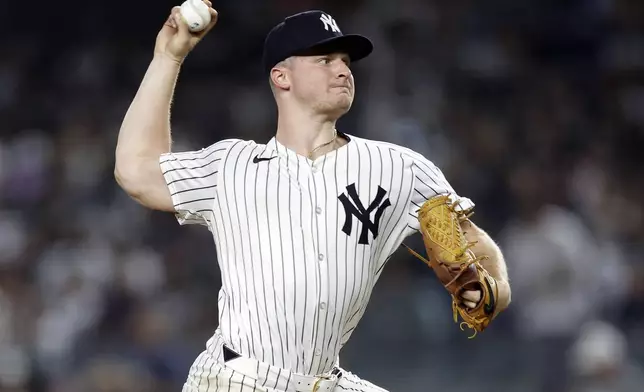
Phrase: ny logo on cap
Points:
(329, 22)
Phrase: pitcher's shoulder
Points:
(396, 149)
(223, 144)
(224, 150)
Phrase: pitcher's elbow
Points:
(126, 181)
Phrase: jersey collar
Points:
(275, 148)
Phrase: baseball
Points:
(196, 15)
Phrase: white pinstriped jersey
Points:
(300, 243)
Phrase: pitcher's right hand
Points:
(175, 40)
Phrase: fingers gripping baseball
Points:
(176, 40)
(471, 298)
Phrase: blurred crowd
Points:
(534, 109)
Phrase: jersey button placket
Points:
(322, 257)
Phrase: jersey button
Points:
(320, 257)
(318, 352)
(318, 210)
(323, 306)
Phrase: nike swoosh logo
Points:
(257, 159)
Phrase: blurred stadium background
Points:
(534, 109)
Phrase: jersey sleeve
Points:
(192, 178)
(429, 181)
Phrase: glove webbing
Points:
(475, 260)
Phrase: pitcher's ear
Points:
(280, 76)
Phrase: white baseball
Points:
(196, 15)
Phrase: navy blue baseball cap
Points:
(311, 33)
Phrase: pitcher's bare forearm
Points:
(145, 135)
(494, 264)
(145, 131)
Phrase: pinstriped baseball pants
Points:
(209, 373)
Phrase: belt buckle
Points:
(331, 377)
(316, 386)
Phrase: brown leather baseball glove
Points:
(455, 265)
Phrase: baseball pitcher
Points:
(303, 224)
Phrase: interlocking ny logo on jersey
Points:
(359, 211)
(329, 22)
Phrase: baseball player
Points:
(303, 224)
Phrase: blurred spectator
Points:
(600, 361)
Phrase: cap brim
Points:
(354, 45)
